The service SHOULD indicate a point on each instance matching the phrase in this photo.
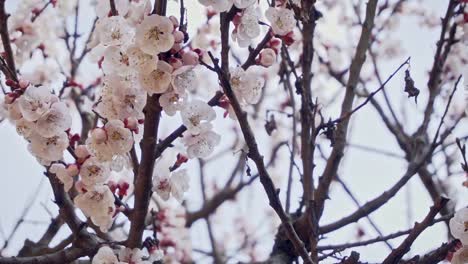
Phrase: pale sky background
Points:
(367, 174)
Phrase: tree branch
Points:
(405, 246)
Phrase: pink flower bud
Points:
(174, 21)
(123, 188)
(23, 84)
(112, 186)
(176, 47)
(73, 170)
(10, 98)
(181, 159)
(178, 36)
(99, 135)
(288, 39)
(275, 43)
(237, 19)
(190, 58)
(80, 187)
(81, 151)
(131, 123)
(267, 57)
(175, 63)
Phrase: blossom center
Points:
(117, 136)
(52, 141)
(116, 35)
(195, 120)
(154, 33)
(94, 170)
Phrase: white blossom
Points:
(460, 256)
(459, 225)
(50, 149)
(141, 61)
(121, 97)
(103, 7)
(162, 186)
(196, 116)
(248, 28)
(281, 19)
(116, 60)
(93, 171)
(135, 255)
(98, 146)
(57, 119)
(241, 4)
(201, 145)
(158, 80)
(98, 204)
(171, 102)
(119, 138)
(35, 102)
(179, 184)
(246, 85)
(25, 128)
(184, 79)
(138, 10)
(217, 5)
(105, 255)
(63, 175)
(114, 31)
(154, 34)
(14, 111)
(166, 182)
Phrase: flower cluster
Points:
(246, 21)
(106, 255)
(224, 5)
(169, 180)
(246, 85)
(459, 229)
(174, 235)
(142, 54)
(41, 118)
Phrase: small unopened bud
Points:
(131, 123)
(10, 98)
(237, 19)
(74, 139)
(123, 188)
(274, 43)
(174, 21)
(224, 102)
(190, 58)
(81, 151)
(11, 83)
(181, 159)
(23, 84)
(99, 135)
(288, 39)
(178, 36)
(267, 57)
(80, 187)
(112, 186)
(176, 48)
(210, 13)
(175, 63)
(73, 170)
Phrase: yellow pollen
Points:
(117, 136)
(116, 34)
(94, 170)
(154, 33)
